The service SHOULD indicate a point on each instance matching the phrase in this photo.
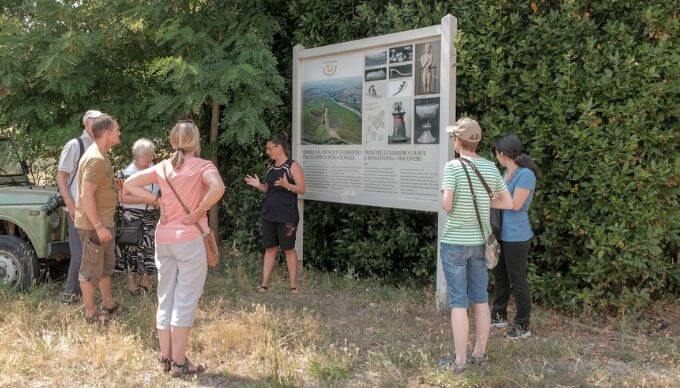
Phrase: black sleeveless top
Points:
(280, 205)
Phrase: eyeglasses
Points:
(187, 121)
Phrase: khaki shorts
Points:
(98, 259)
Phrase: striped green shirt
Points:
(461, 226)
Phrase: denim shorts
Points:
(466, 276)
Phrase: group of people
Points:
(466, 181)
(171, 199)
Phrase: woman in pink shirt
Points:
(180, 252)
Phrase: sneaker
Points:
(70, 299)
(472, 359)
(499, 322)
(517, 332)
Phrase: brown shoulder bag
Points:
(211, 249)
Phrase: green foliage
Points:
(148, 63)
(590, 87)
(592, 90)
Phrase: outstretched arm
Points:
(254, 180)
(136, 183)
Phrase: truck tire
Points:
(18, 264)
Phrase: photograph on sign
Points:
(375, 74)
(401, 71)
(401, 54)
(376, 59)
(426, 127)
(428, 56)
(332, 101)
(401, 121)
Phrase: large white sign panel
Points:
(369, 122)
(370, 116)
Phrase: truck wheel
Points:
(18, 263)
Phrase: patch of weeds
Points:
(277, 382)
(668, 347)
(328, 372)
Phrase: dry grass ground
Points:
(339, 331)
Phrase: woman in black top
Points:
(285, 180)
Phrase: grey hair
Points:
(143, 146)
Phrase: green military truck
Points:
(29, 236)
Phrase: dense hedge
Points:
(590, 87)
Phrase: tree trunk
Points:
(214, 215)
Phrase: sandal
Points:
(97, 318)
(294, 290)
(262, 289)
(112, 310)
(183, 369)
(165, 364)
(143, 289)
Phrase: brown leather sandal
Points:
(97, 318)
(165, 364)
(180, 370)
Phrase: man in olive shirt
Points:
(95, 207)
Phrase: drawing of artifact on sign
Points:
(375, 89)
(400, 88)
(376, 128)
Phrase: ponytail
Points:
(524, 160)
(184, 137)
(510, 146)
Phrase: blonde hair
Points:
(184, 138)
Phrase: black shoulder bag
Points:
(492, 249)
(130, 232)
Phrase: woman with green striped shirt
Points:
(462, 248)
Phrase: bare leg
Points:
(105, 289)
(180, 338)
(482, 326)
(459, 326)
(269, 261)
(131, 281)
(165, 340)
(88, 298)
(145, 281)
(292, 261)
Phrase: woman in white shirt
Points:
(138, 260)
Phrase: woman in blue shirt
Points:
(516, 235)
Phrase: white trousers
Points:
(182, 269)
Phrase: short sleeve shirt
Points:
(462, 227)
(95, 167)
(516, 225)
(187, 180)
(68, 160)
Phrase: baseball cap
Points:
(466, 129)
(91, 114)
